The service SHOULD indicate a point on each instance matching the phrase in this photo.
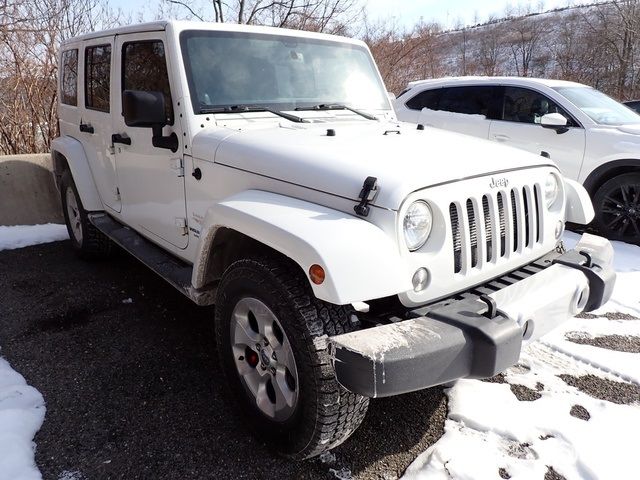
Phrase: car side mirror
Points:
(147, 110)
(555, 121)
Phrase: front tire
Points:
(86, 240)
(617, 207)
(270, 333)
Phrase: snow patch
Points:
(19, 236)
(488, 429)
(21, 415)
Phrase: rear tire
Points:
(273, 301)
(86, 240)
(617, 208)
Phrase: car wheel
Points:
(86, 240)
(617, 206)
(271, 339)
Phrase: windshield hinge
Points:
(181, 225)
(367, 194)
(176, 165)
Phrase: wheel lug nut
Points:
(266, 342)
(273, 355)
(258, 346)
(273, 371)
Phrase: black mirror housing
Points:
(143, 109)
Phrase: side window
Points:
(144, 67)
(528, 106)
(97, 79)
(69, 82)
(470, 100)
(425, 99)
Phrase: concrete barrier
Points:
(28, 194)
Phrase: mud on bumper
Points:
(479, 333)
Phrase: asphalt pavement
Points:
(127, 367)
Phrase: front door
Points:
(150, 178)
(519, 126)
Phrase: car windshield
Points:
(598, 106)
(278, 72)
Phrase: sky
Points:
(407, 13)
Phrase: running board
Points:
(173, 270)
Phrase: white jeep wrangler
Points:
(262, 170)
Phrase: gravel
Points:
(608, 315)
(580, 412)
(128, 369)
(521, 392)
(609, 390)
(620, 343)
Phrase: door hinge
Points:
(181, 225)
(176, 165)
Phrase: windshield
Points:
(279, 72)
(598, 106)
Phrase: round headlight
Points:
(417, 225)
(551, 189)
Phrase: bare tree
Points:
(29, 43)
(523, 37)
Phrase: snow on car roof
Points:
(475, 80)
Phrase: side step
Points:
(173, 270)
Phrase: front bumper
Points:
(477, 334)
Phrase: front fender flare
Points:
(361, 262)
(78, 163)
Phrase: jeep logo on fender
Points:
(498, 182)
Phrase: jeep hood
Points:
(402, 158)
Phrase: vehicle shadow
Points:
(128, 370)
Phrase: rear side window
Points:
(69, 83)
(145, 68)
(470, 100)
(97, 77)
(426, 99)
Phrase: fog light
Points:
(420, 279)
(559, 229)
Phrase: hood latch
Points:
(367, 194)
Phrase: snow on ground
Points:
(19, 236)
(22, 407)
(491, 434)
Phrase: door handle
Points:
(118, 138)
(498, 137)
(87, 128)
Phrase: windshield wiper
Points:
(337, 106)
(252, 108)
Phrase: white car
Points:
(591, 137)
(262, 170)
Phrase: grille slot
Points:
(496, 225)
(487, 226)
(473, 233)
(455, 234)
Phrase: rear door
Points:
(465, 109)
(519, 126)
(93, 126)
(151, 179)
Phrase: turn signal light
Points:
(316, 274)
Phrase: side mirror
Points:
(143, 109)
(147, 110)
(555, 121)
